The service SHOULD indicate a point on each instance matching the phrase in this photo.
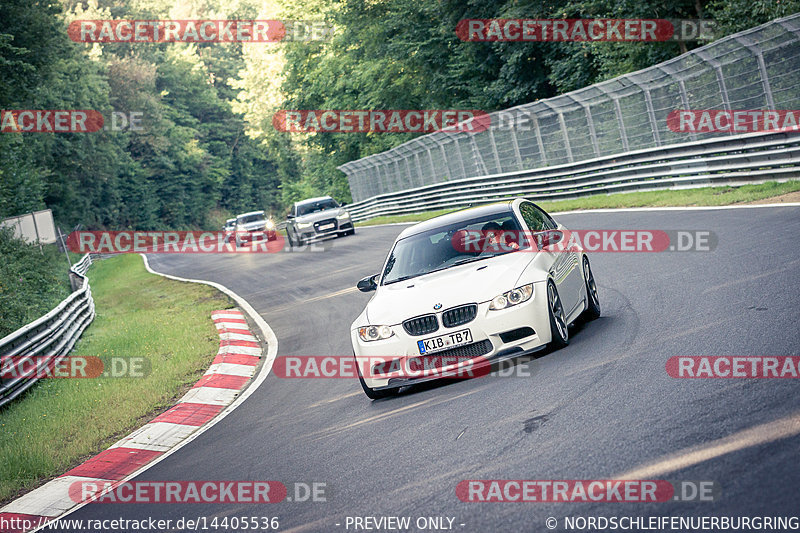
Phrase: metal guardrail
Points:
(735, 160)
(607, 137)
(51, 336)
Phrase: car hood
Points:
(320, 215)
(471, 283)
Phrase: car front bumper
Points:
(256, 236)
(315, 231)
(512, 332)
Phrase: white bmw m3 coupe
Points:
(469, 288)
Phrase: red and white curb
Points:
(212, 398)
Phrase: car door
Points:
(563, 262)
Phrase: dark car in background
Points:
(317, 218)
(254, 226)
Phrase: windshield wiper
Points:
(468, 260)
(403, 278)
(459, 262)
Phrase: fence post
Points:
(36, 229)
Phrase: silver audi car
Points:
(317, 218)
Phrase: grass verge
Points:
(58, 423)
(704, 196)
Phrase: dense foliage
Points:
(192, 158)
(32, 282)
(208, 148)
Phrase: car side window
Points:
(535, 218)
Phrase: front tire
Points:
(559, 331)
(592, 300)
(374, 394)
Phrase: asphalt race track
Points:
(601, 408)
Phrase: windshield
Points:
(251, 218)
(313, 207)
(435, 249)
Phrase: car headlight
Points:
(375, 333)
(343, 215)
(512, 297)
(303, 225)
(270, 225)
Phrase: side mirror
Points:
(370, 283)
(549, 238)
(289, 216)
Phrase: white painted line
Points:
(686, 208)
(390, 224)
(341, 292)
(210, 395)
(755, 436)
(269, 359)
(51, 499)
(231, 369)
(631, 209)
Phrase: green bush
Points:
(31, 283)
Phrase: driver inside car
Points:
(510, 235)
(491, 238)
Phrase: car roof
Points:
(250, 213)
(455, 217)
(312, 200)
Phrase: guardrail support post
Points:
(563, 124)
(517, 154)
(592, 131)
(623, 135)
(494, 151)
(539, 142)
(460, 158)
(685, 103)
(652, 115)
